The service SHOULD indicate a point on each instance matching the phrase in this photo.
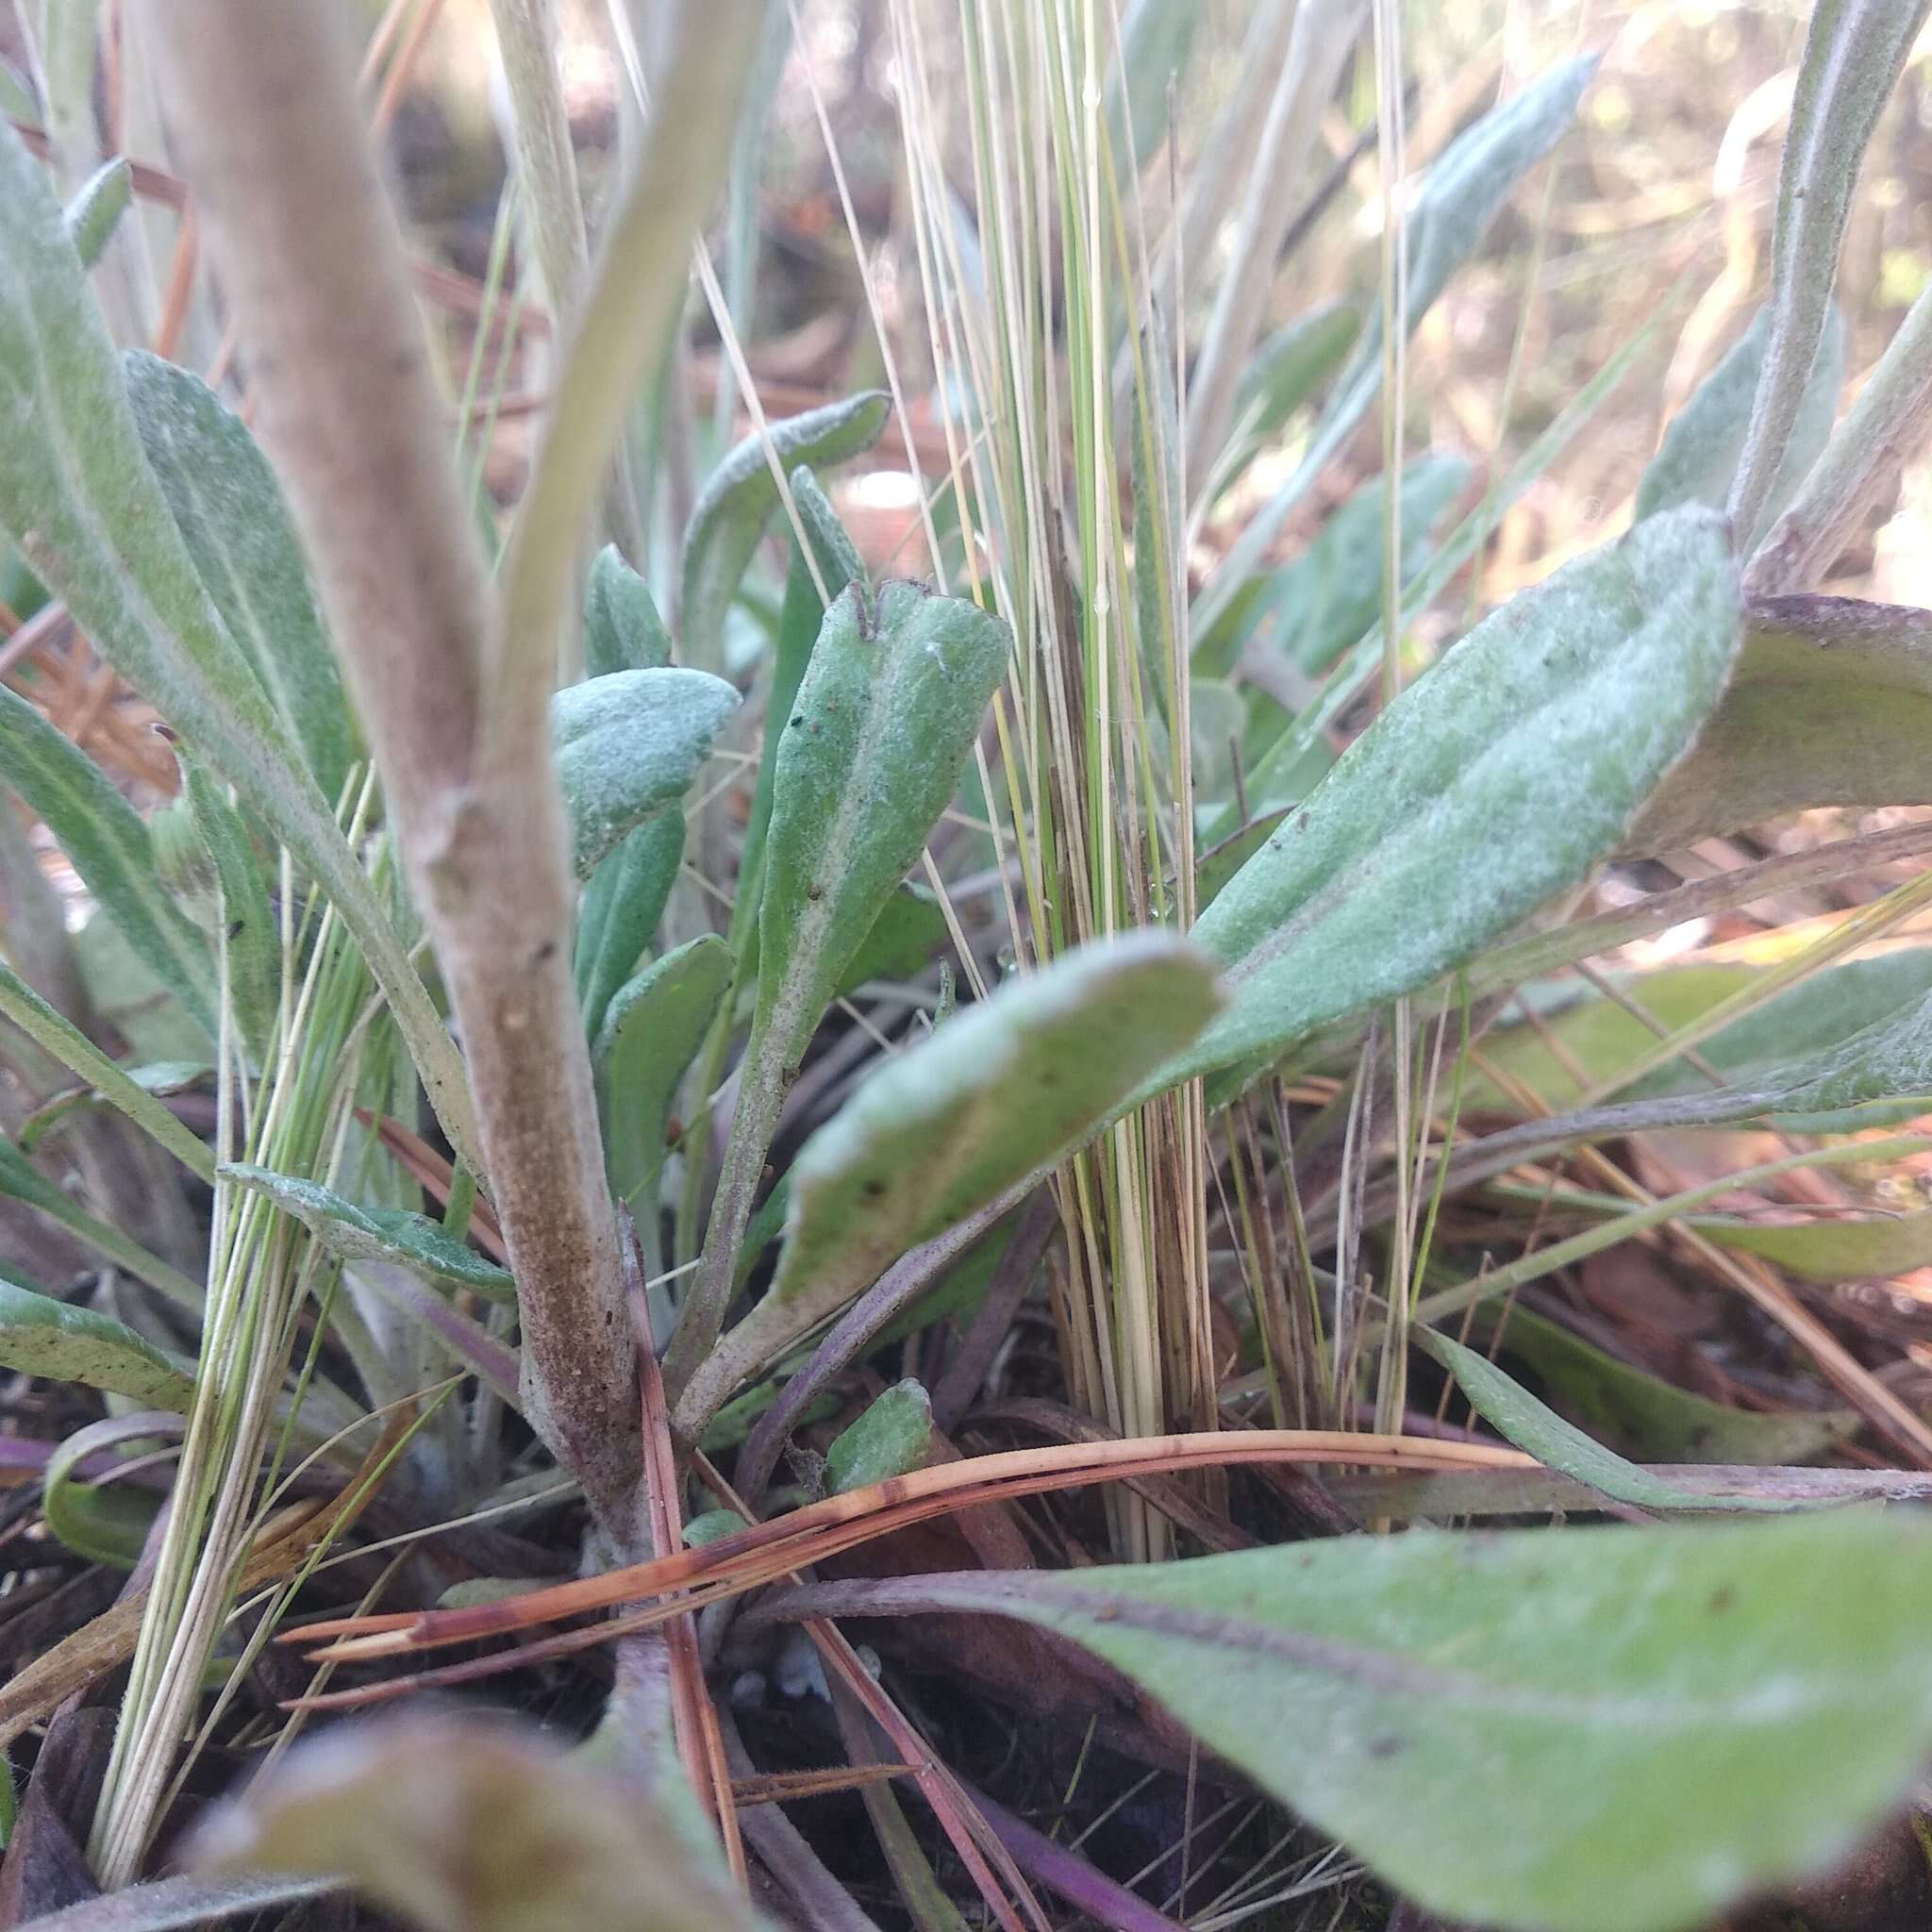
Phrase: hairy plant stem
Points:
(313, 264)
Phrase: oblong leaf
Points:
(740, 494)
(1500, 777)
(628, 745)
(1580, 1040)
(40, 1336)
(97, 207)
(652, 1032)
(1831, 704)
(109, 847)
(79, 497)
(624, 901)
(1699, 454)
(232, 517)
(1459, 198)
(249, 931)
(622, 628)
(1285, 371)
(894, 1435)
(1649, 1420)
(872, 753)
(1664, 1719)
(58, 1036)
(374, 1233)
(800, 620)
(999, 1093)
(1513, 1412)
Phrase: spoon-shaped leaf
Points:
(374, 1233)
(650, 1034)
(998, 1095)
(1578, 1730)
(800, 622)
(1831, 704)
(40, 1336)
(730, 513)
(1497, 780)
(629, 743)
(232, 518)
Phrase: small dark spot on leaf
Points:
(1300, 822)
(237, 928)
(1387, 1746)
(547, 950)
(873, 1189)
(1722, 1598)
(798, 717)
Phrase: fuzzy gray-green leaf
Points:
(248, 922)
(374, 1233)
(1831, 704)
(999, 1093)
(629, 743)
(1494, 781)
(1286, 370)
(1853, 54)
(96, 209)
(1515, 1413)
(109, 847)
(1459, 198)
(623, 900)
(40, 1336)
(1649, 1420)
(232, 518)
(1578, 1730)
(80, 499)
(892, 1438)
(623, 630)
(731, 512)
(1698, 458)
(57, 1035)
(649, 1035)
(872, 753)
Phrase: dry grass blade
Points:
(754, 1555)
(282, 1546)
